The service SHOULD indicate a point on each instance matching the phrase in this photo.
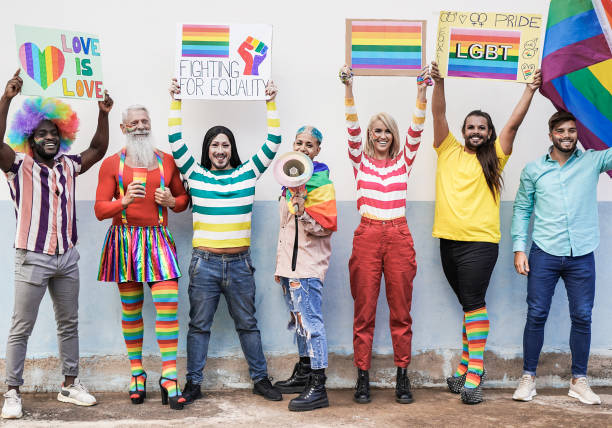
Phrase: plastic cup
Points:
(140, 176)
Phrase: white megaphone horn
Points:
(293, 170)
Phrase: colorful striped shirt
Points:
(222, 200)
(381, 183)
(44, 203)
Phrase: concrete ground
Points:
(432, 407)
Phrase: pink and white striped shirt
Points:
(44, 203)
(381, 184)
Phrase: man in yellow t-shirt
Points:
(468, 186)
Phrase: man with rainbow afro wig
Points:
(41, 179)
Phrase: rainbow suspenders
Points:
(122, 190)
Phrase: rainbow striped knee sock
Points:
(131, 323)
(477, 330)
(165, 298)
(465, 354)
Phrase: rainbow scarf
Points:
(577, 66)
(321, 199)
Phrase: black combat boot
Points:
(191, 392)
(297, 381)
(264, 387)
(314, 395)
(362, 389)
(402, 387)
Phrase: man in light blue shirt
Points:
(560, 189)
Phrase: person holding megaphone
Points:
(308, 217)
(382, 243)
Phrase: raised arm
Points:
(523, 208)
(13, 87)
(438, 106)
(182, 155)
(264, 156)
(352, 121)
(508, 133)
(413, 139)
(99, 143)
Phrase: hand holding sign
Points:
(106, 105)
(13, 86)
(271, 91)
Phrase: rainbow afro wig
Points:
(35, 110)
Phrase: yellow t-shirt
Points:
(465, 208)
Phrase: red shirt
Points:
(143, 211)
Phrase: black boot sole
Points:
(318, 404)
(362, 400)
(404, 400)
(268, 398)
(290, 389)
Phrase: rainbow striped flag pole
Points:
(577, 66)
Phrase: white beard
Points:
(140, 149)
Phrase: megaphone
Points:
(293, 170)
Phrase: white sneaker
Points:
(12, 405)
(526, 389)
(582, 391)
(76, 394)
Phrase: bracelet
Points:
(423, 81)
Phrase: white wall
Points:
(137, 41)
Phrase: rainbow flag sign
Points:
(501, 46)
(577, 66)
(376, 47)
(210, 41)
(223, 61)
(59, 63)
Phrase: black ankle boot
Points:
(402, 387)
(314, 395)
(362, 389)
(191, 392)
(297, 381)
(264, 387)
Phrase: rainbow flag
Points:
(577, 66)
(206, 41)
(466, 60)
(386, 44)
(321, 199)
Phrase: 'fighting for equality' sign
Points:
(224, 61)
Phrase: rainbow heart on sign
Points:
(44, 67)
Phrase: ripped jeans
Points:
(303, 298)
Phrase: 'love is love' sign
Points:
(59, 63)
(224, 61)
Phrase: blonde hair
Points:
(390, 123)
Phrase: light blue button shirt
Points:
(564, 199)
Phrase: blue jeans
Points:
(303, 298)
(211, 275)
(578, 274)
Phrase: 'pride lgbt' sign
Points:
(224, 61)
(502, 46)
(379, 47)
(59, 63)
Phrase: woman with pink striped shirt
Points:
(382, 243)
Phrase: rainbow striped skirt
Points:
(141, 254)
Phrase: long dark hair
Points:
(210, 135)
(487, 155)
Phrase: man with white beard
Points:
(135, 188)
